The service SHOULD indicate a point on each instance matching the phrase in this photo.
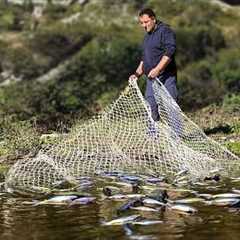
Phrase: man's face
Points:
(148, 23)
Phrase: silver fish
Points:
(155, 180)
(83, 200)
(117, 197)
(226, 195)
(189, 200)
(145, 209)
(126, 196)
(135, 195)
(205, 195)
(121, 221)
(183, 208)
(236, 190)
(57, 200)
(150, 201)
(224, 202)
(147, 222)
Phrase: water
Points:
(22, 222)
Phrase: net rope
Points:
(124, 137)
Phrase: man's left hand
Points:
(153, 73)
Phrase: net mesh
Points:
(124, 137)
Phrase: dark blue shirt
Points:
(158, 43)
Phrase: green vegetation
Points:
(18, 138)
(234, 147)
(100, 42)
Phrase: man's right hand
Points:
(133, 77)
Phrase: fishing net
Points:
(124, 137)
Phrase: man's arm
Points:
(169, 44)
(165, 60)
(138, 73)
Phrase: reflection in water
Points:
(22, 222)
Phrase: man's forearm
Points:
(139, 70)
(165, 60)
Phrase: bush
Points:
(231, 102)
(197, 85)
(195, 43)
(100, 66)
(22, 62)
(18, 138)
(227, 69)
(58, 41)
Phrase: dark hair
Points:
(147, 11)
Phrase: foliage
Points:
(198, 85)
(102, 47)
(22, 62)
(17, 138)
(231, 102)
(234, 147)
(227, 69)
(58, 41)
(195, 43)
(12, 17)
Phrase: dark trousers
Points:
(170, 84)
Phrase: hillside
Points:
(62, 61)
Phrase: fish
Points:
(110, 190)
(112, 174)
(58, 200)
(235, 179)
(155, 180)
(130, 178)
(183, 208)
(236, 190)
(201, 184)
(189, 200)
(147, 222)
(135, 195)
(117, 197)
(152, 202)
(145, 209)
(205, 195)
(226, 195)
(122, 220)
(224, 202)
(129, 204)
(82, 201)
(126, 196)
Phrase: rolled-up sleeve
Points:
(169, 41)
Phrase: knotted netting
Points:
(124, 137)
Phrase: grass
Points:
(234, 147)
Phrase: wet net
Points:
(124, 137)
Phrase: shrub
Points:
(227, 69)
(18, 138)
(195, 43)
(197, 85)
(231, 102)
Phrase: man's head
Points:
(147, 19)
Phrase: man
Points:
(158, 60)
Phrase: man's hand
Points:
(153, 73)
(132, 78)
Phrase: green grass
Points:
(234, 147)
